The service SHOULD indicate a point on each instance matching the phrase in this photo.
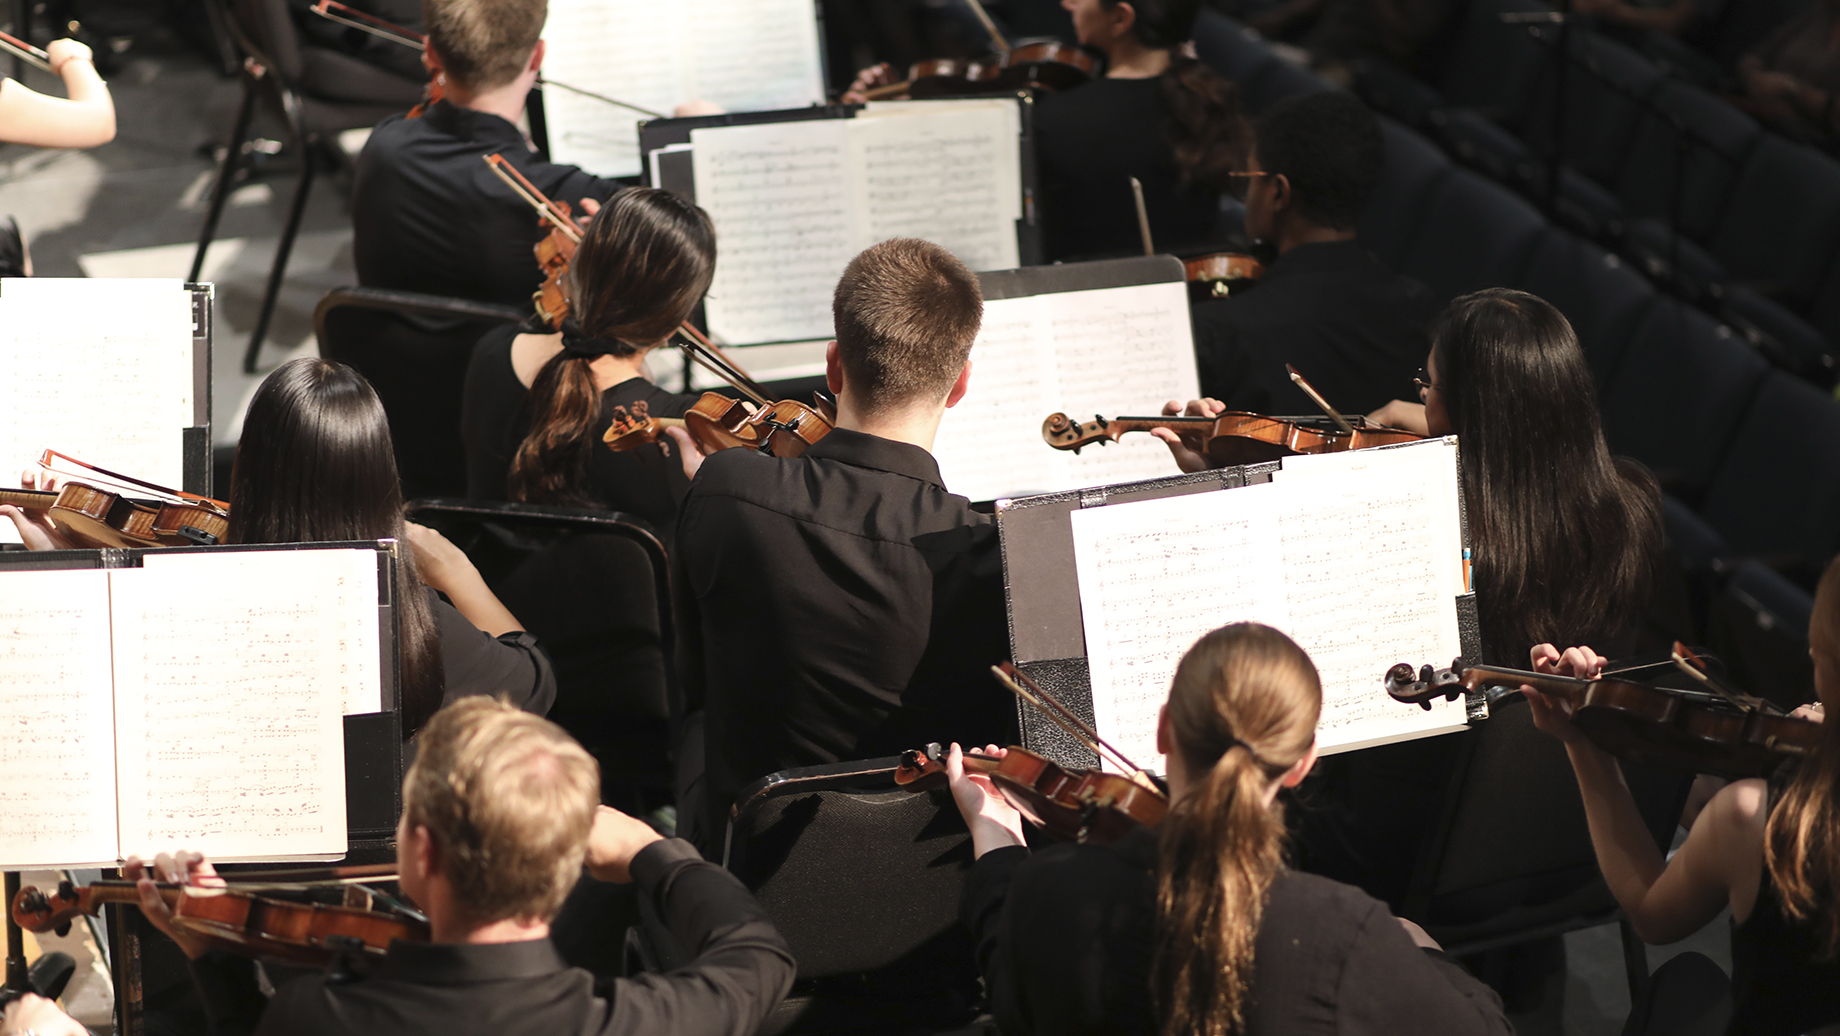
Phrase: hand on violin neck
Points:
(994, 823)
(689, 453)
(1400, 414)
(1551, 713)
(180, 868)
(866, 80)
(1188, 450)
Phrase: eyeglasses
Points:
(1423, 380)
(1251, 173)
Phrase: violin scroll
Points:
(1064, 433)
(1425, 685)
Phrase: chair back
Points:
(414, 349)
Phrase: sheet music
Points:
(100, 370)
(1114, 351)
(228, 729)
(1354, 568)
(741, 55)
(794, 202)
(57, 761)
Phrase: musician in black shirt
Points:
(1354, 328)
(500, 812)
(427, 213)
(843, 604)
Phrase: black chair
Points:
(594, 587)
(1392, 90)
(1789, 341)
(1684, 156)
(317, 92)
(1598, 293)
(1782, 227)
(1759, 625)
(1493, 66)
(1476, 234)
(1229, 48)
(863, 880)
(1395, 214)
(1777, 494)
(1276, 80)
(414, 349)
(1679, 394)
(1606, 91)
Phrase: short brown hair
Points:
(484, 43)
(906, 313)
(510, 798)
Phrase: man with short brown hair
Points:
(843, 604)
(427, 214)
(500, 809)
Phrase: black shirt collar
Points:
(862, 450)
(1321, 257)
(431, 963)
(470, 124)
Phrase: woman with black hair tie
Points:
(536, 405)
(1198, 928)
(1157, 114)
(315, 465)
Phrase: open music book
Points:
(1121, 350)
(1358, 557)
(794, 202)
(195, 703)
(740, 55)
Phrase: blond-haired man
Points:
(500, 811)
(427, 213)
(843, 604)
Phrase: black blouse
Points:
(495, 417)
(1089, 142)
(1065, 939)
(475, 662)
(1779, 984)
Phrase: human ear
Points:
(833, 369)
(536, 56)
(1299, 769)
(1163, 741)
(961, 386)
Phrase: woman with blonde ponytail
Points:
(1198, 928)
(537, 404)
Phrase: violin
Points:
(1231, 438)
(1037, 65)
(1221, 274)
(784, 429)
(96, 517)
(1086, 806)
(310, 934)
(1715, 731)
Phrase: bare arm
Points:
(85, 119)
(444, 567)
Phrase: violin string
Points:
(546, 81)
(127, 483)
(1064, 719)
(1076, 720)
(734, 374)
(513, 179)
(26, 52)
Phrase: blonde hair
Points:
(1801, 843)
(906, 312)
(510, 798)
(1242, 710)
(484, 43)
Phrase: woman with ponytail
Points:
(1156, 114)
(1198, 928)
(537, 404)
(1768, 850)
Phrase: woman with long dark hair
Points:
(315, 465)
(1198, 927)
(537, 404)
(1767, 850)
(1157, 114)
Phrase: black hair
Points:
(1567, 541)
(1328, 146)
(1204, 125)
(315, 465)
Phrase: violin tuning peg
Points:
(1426, 674)
(1425, 705)
(62, 930)
(1076, 451)
(1450, 696)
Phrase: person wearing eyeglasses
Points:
(1351, 326)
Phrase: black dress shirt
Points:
(1089, 142)
(1354, 328)
(741, 971)
(835, 606)
(1065, 940)
(475, 662)
(428, 215)
(495, 417)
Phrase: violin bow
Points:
(1030, 691)
(1143, 215)
(1689, 662)
(47, 459)
(983, 17)
(1317, 398)
(332, 10)
(26, 52)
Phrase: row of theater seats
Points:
(1736, 219)
(1748, 453)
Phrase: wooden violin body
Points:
(311, 934)
(98, 518)
(1690, 730)
(1221, 274)
(1087, 806)
(784, 429)
(1039, 65)
(1231, 438)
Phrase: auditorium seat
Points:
(1602, 297)
(1476, 234)
(1777, 493)
(1783, 224)
(1493, 66)
(1692, 138)
(1391, 90)
(1786, 339)
(1229, 48)
(1396, 213)
(1678, 395)
(1759, 625)
(1606, 88)
(1694, 570)
(1276, 80)
(1582, 204)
